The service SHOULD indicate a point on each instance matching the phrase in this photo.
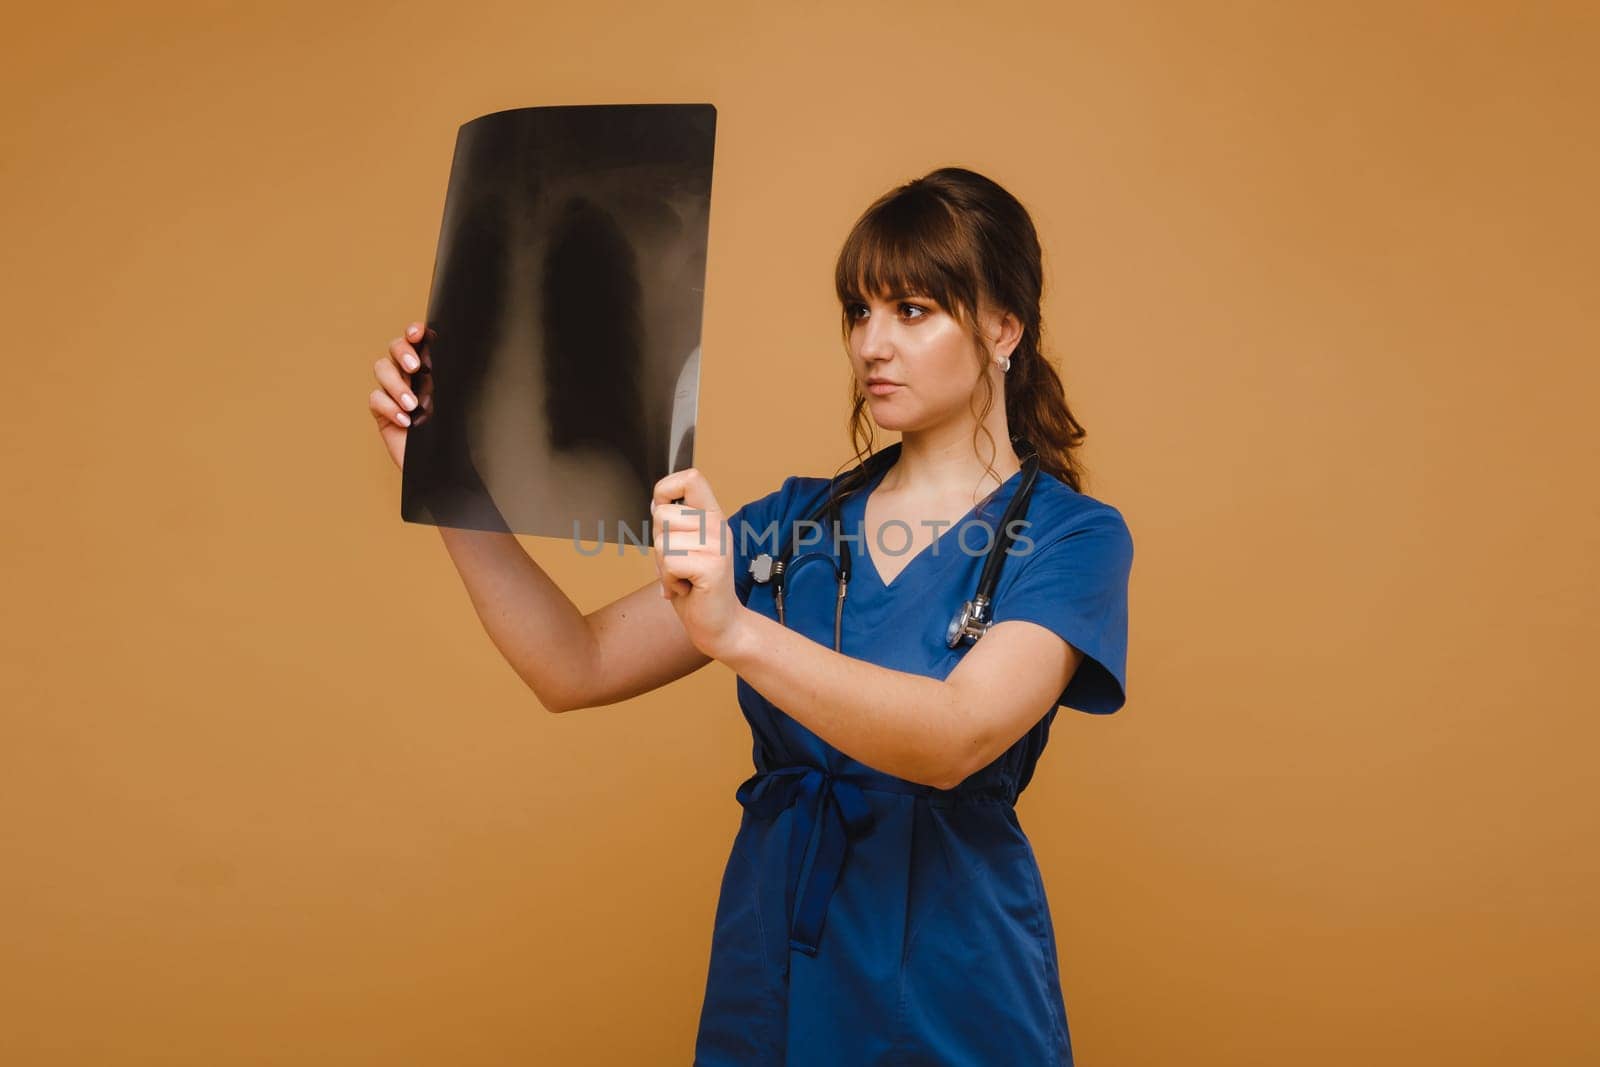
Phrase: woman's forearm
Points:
(907, 725)
(536, 626)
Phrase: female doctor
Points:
(881, 903)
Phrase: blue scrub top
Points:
(867, 919)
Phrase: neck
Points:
(944, 462)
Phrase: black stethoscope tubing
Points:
(973, 618)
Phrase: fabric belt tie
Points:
(835, 799)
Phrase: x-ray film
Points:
(561, 365)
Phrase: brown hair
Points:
(961, 239)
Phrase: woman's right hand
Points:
(405, 394)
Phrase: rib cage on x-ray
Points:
(564, 321)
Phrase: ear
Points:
(1004, 331)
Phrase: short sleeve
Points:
(753, 529)
(1076, 586)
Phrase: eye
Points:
(852, 310)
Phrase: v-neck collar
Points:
(949, 533)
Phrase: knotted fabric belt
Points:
(835, 799)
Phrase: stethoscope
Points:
(971, 621)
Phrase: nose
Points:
(872, 339)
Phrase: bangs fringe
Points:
(909, 244)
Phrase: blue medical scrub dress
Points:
(867, 919)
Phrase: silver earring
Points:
(1005, 366)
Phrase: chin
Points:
(893, 421)
(886, 420)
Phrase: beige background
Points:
(1322, 280)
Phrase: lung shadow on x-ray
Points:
(594, 338)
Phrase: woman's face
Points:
(918, 347)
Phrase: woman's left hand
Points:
(693, 551)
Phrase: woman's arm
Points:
(908, 725)
(569, 659)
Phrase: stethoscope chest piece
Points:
(968, 624)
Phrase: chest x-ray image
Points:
(561, 363)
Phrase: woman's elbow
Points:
(557, 701)
(952, 767)
(953, 775)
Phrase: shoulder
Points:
(1060, 510)
(1060, 516)
(794, 494)
(760, 524)
(757, 526)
